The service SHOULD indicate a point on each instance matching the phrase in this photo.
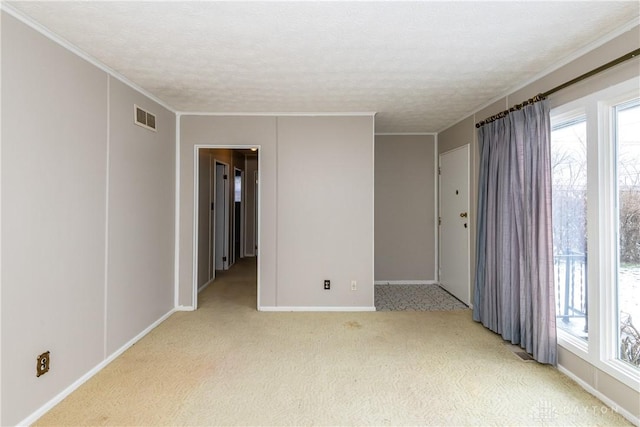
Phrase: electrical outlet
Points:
(354, 285)
(327, 284)
(43, 364)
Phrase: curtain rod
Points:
(544, 95)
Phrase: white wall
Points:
(405, 199)
(328, 162)
(75, 169)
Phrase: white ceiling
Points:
(421, 66)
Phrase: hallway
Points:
(233, 287)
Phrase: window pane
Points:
(627, 131)
(569, 200)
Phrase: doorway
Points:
(225, 205)
(455, 272)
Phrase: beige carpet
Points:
(228, 364)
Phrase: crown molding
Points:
(272, 114)
(406, 133)
(30, 22)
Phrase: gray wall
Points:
(464, 132)
(87, 217)
(140, 286)
(325, 211)
(228, 131)
(405, 197)
(316, 222)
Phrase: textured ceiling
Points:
(420, 65)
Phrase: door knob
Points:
(463, 215)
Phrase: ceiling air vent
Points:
(144, 118)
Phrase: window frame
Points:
(600, 349)
(568, 113)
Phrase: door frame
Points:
(468, 148)
(194, 231)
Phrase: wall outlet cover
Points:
(43, 365)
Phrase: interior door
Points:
(221, 207)
(212, 218)
(455, 274)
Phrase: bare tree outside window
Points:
(627, 133)
(569, 201)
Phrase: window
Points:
(627, 143)
(569, 201)
(595, 167)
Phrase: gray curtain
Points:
(514, 292)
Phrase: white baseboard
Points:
(607, 401)
(184, 308)
(405, 282)
(203, 287)
(67, 391)
(281, 308)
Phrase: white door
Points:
(212, 218)
(221, 207)
(455, 274)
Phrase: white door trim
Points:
(436, 209)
